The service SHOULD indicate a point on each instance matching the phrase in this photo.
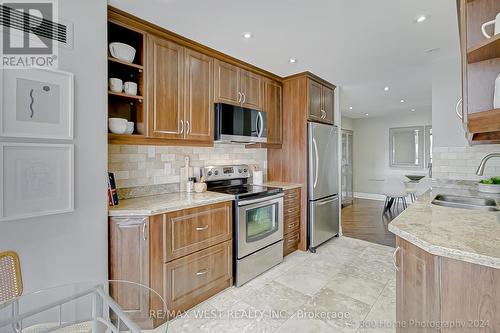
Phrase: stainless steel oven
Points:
(259, 236)
(259, 223)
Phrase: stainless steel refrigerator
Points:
(322, 184)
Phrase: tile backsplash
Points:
(460, 163)
(155, 165)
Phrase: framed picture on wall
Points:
(36, 103)
(35, 180)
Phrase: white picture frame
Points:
(36, 103)
(35, 180)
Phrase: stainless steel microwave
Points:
(239, 124)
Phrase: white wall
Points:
(371, 149)
(447, 127)
(347, 123)
(65, 248)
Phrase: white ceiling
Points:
(360, 45)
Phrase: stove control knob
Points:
(209, 173)
(216, 172)
(239, 170)
(245, 170)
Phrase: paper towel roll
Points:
(258, 178)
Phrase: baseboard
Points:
(370, 196)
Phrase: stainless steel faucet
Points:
(480, 168)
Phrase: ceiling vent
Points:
(61, 32)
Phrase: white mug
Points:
(496, 22)
(115, 85)
(130, 88)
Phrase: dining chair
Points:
(11, 283)
(395, 191)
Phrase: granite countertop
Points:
(285, 186)
(164, 203)
(468, 235)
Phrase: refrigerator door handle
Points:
(317, 162)
(334, 198)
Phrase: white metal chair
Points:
(102, 307)
(422, 186)
(395, 191)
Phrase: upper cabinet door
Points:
(199, 120)
(165, 85)
(252, 90)
(328, 104)
(227, 83)
(315, 101)
(274, 108)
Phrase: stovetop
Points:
(247, 190)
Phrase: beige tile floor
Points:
(347, 286)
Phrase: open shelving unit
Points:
(480, 68)
(122, 105)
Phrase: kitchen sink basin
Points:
(456, 201)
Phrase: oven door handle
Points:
(264, 199)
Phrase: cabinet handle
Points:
(239, 97)
(459, 114)
(293, 240)
(394, 258)
(182, 126)
(202, 228)
(202, 272)
(144, 237)
(292, 225)
(293, 210)
(188, 127)
(244, 98)
(291, 196)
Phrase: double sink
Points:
(474, 203)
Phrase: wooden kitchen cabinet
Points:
(185, 256)
(180, 92)
(199, 108)
(291, 220)
(480, 67)
(237, 86)
(321, 102)
(227, 83)
(129, 261)
(191, 230)
(328, 97)
(417, 284)
(166, 91)
(252, 89)
(315, 101)
(179, 81)
(273, 106)
(198, 276)
(432, 288)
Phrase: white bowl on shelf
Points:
(488, 188)
(117, 125)
(122, 51)
(130, 127)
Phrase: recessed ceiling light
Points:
(412, 110)
(402, 101)
(247, 35)
(421, 18)
(386, 88)
(366, 114)
(350, 108)
(292, 60)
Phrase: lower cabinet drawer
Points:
(291, 223)
(291, 242)
(194, 229)
(196, 277)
